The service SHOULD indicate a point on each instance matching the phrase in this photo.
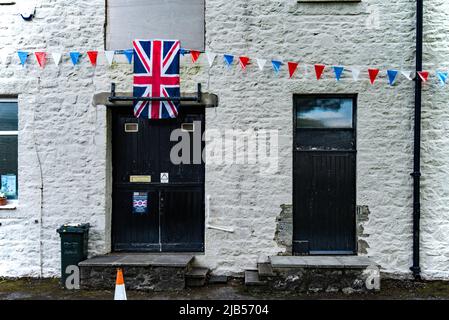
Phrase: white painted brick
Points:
(57, 119)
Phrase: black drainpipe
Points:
(416, 269)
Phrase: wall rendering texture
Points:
(64, 136)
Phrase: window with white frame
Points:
(8, 147)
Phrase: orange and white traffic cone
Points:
(120, 292)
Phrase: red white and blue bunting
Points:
(292, 69)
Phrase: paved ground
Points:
(46, 289)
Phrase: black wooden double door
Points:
(324, 177)
(170, 214)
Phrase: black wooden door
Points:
(324, 169)
(174, 216)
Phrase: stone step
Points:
(142, 271)
(324, 273)
(325, 262)
(139, 260)
(252, 278)
(265, 270)
(196, 277)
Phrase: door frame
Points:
(112, 112)
(354, 97)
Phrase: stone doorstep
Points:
(324, 262)
(145, 278)
(142, 271)
(139, 260)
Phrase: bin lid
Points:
(73, 228)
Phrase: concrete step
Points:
(265, 270)
(252, 279)
(196, 277)
(317, 262)
(142, 271)
(324, 273)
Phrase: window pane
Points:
(8, 164)
(324, 113)
(8, 116)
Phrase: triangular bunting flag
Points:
(74, 56)
(338, 70)
(292, 68)
(41, 58)
(109, 56)
(261, 63)
(442, 76)
(210, 57)
(23, 55)
(56, 57)
(355, 73)
(129, 53)
(276, 65)
(319, 69)
(243, 62)
(182, 51)
(392, 74)
(373, 75)
(408, 74)
(424, 75)
(92, 57)
(228, 59)
(195, 55)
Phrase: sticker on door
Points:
(140, 203)
(164, 177)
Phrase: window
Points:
(8, 147)
(322, 113)
(155, 19)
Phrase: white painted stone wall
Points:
(59, 125)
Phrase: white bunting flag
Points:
(355, 73)
(56, 57)
(210, 57)
(109, 56)
(408, 74)
(261, 63)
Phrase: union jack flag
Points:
(156, 74)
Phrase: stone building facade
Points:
(63, 150)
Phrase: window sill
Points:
(11, 205)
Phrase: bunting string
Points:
(294, 69)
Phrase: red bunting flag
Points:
(41, 58)
(195, 55)
(92, 57)
(319, 69)
(244, 61)
(373, 75)
(424, 75)
(292, 68)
